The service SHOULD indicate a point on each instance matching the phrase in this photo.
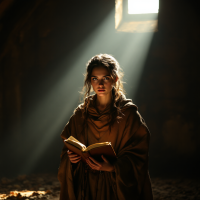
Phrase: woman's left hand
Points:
(100, 166)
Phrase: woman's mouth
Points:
(101, 90)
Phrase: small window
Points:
(143, 6)
(136, 16)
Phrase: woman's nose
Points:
(100, 82)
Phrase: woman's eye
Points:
(94, 79)
(106, 78)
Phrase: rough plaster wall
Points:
(168, 95)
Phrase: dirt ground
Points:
(172, 189)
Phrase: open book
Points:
(94, 150)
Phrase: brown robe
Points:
(130, 139)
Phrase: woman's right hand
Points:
(74, 158)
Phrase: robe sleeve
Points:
(65, 171)
(131, 168)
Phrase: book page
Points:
(97, 145)
(73, 141)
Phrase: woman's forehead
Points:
(100, 71)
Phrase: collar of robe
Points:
(101, 120)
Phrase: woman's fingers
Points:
(74, 158)
(92, 166)
(95, 162)
(105, 160)
(75, 161)
(69, 152)
(73, 155)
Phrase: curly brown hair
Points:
(116, 73)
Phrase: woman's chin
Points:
(101, 94)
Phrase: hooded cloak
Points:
(129, 137)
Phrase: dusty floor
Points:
(173, 189)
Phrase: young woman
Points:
(106, 116)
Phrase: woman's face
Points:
(101, 81)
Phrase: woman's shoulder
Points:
(130, 112)
(90, 100)
(79, 109)
(136, 120)
(129, 109)
(126, 105)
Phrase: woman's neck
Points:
(103, 101)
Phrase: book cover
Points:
(94, 150)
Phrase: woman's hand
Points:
(74, 158)
(100, 166)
